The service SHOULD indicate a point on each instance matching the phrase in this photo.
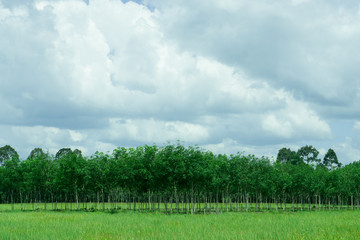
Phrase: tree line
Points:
(175, 178)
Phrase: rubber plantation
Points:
(177, 179)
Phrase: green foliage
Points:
(309, 154)
(8, 153)
(330, 160)
(36, 152)
(175, 173)
(63, 152)
(70, 173)
(285, 155)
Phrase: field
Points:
(17, 224)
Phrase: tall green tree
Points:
(309, 154)
(286, 155)
(36, 152)
(8, 153)
(38, 174)
(63, 152)
(330, 160)
(70, 175)
(12, 178)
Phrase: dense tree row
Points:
(182, 179)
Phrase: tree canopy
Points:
(179, 174)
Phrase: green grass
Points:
(100, 225)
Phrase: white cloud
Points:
(305, 48)
(151, 130)
(233, 147)
(348, 151)
(297, 2)
(76, 136)
(104, 74)
(8, 112)
(357, 125)
(283, 128)
(296, 121)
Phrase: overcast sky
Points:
(229, 75)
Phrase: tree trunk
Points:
(65, 201)
(217, 202)
(103, 199)
(176, 199)
(77, 198)
(247, 201)
(21, 201)
(52, 200)
(98, 200)
(109, 201)
(187, 202)
(165, 204)
(12, 200)
(134, 202)
(45, 201)
(182, 203)
(192, 199)
(284, 202)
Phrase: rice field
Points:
(41, 224)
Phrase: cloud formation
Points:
(243, 75)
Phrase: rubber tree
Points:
(70, 175)
(262, 183)
(171, 173)
(8, 153)
(286, 155)
(330, 160)
(12, 178)
(140, 172)
(38, 175)
(309, 155)
(195, 167)
(35, 153)
(220, 179)
(283, 182)
(62, 153)
(94, 182)
(240, 178)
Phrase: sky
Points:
(229, 76)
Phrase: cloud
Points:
(348, 151)
(305, 47)
(151, 130)
(296, 121)
(221, 74)
(357, 125)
